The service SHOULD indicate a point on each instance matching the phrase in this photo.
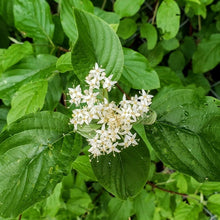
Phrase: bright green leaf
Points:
(64, 63)
(92, 47)
(168, 18)
(127, 8)
(3, 116)
(125, 173)
(207, 55)
(35, 152)
(149, 32)
(28, 99)
(14, 54)
(138, 72)
(33, 18)
(170, 44)
(214, 204)
(181, 140)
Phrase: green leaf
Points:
(138, 72)
(170, 44)
(64, 63)
(176, 61)
(181, 140)
(144, 205)
(6, 11)
(83, 166)
(33, 18)
(149, 32)
(67, 17)
(125, 173)
(28, 99)
(118, 209)
(168, 18)
(185, 211)
(127, 8)
(207, 55)
(30, 69)
(3, 116)
(92, 47)
(214, 204)
(35, 152)
(127, 28)
(14, 54)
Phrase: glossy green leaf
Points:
(67, 17)
(33, 18)
(207, 55)
(127, 8)
(29, 69)
(118, 209)
(64, 63)
(28, 99)
(214, 204)
(127, 28)
(92, 47)
(6, 11)
(125, 173)
(14, 54)
(149, 32)
(137, 71)
(35, 152)
(168, 18)
(186, 135)
(83, 166)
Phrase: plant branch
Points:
(155, 12)
(20, 216)
(166, 190)
(119, 87)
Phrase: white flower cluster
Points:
(115, 120)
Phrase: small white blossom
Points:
(115, 120)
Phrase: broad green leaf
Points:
(185, 211)
(6, 11)
(214, 204)
(127, 28)
(92, 47)
(54, 92)
(149, 32)
(79, 202)
(176, 61)
(33, 18)
(144, 205)
(35, 152)
(28, 99)
(188, 47)
(207, 55)
(186, 135)
(64, 63)
(29, 69)
(118, 209)
(170, 44)
(127, 8)
(3, 116)
(198, 8)
(138, 72)
(4, 30)
(14, 54)
(83, 166)
(167, 76)
(67, 17)
(168, 18)
(125, 173)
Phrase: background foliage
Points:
(169, 47)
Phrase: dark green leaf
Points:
(125, 173)
(127, 28)
(168, 18)
(176, 61)
(35, 152)
(186, 135)
(92, 47)
(6, 11)
(3, 116)
(138, 72)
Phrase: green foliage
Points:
(169, 47)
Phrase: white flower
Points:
(108, 84)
